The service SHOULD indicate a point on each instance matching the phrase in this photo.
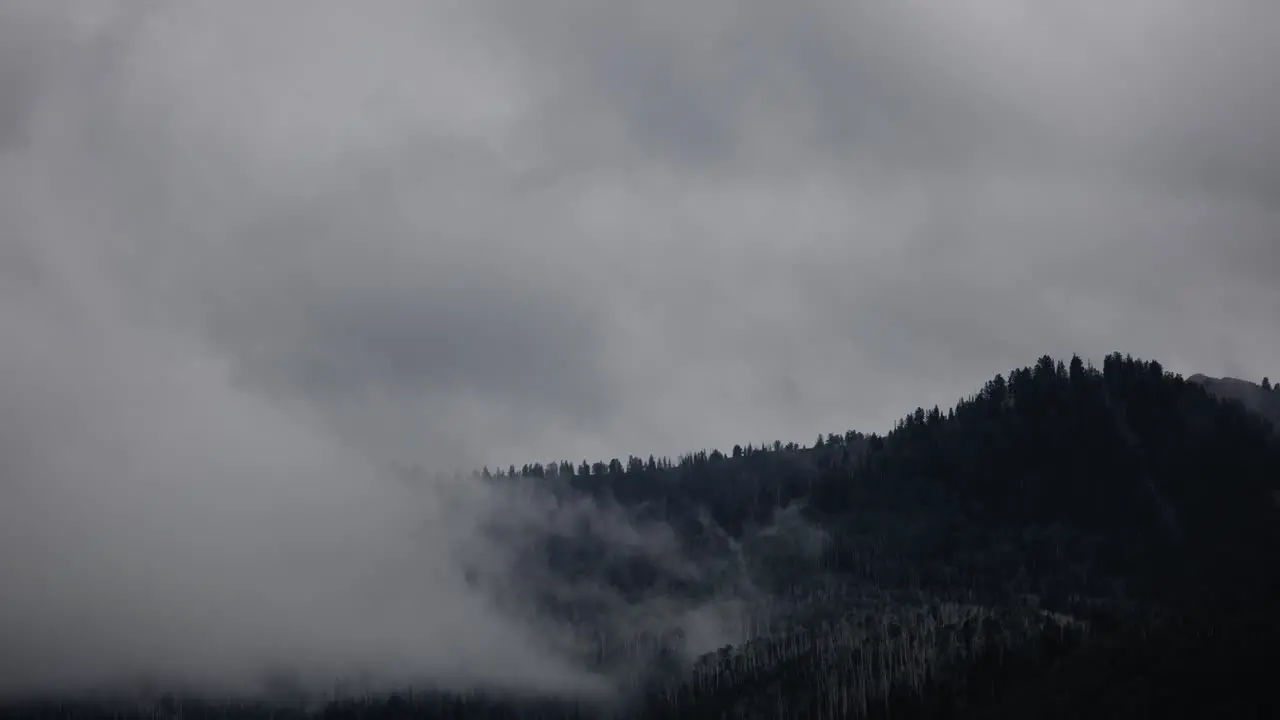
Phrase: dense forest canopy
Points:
(1128, 451)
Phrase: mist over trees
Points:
(1062, 522)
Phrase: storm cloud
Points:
(307, 241)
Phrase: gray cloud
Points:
(496, 232)
(580, 229)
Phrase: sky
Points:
(494, 232)
(251, 253)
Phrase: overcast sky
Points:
(483, 231)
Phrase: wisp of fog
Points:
(162, 524)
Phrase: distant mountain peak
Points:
(1252, 395)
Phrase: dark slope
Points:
(1125, 480)
(1137, 506)
(1126, 496)
(1060, 480)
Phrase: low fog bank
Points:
(167, 527)
(160, 522)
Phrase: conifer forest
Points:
(1066, 542)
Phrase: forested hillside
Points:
(1068, 541)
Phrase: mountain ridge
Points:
(1253, 396)
(997, 559)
